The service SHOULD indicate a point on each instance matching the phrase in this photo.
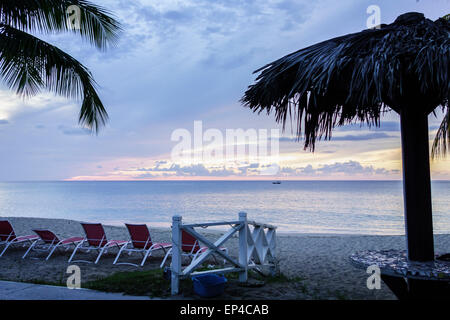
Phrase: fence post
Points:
(243, 260)
(274, 269)
(176, 254)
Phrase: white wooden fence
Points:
(257, 244)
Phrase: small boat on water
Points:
(276, 182)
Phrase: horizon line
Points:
(223, 180)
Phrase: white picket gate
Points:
(257, 245)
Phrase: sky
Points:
(179, 64)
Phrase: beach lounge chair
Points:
(95, 240)
(8, 236)
(140, 241)
(190, 247)
(48, 241)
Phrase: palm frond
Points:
(441, 143)
(96, 24)
(28, 64)
(357, 77)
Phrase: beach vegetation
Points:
(152, 282)
(138, 283)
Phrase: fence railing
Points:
(257, 245)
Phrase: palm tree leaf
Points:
(96, 24)
(441, 143)
(28, 64)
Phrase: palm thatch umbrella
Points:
(402, 66)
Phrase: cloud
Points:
(71, 131)
(362, 137)
(178, 16)
(176, 170)
(356, 137)
(434, 127)
(387, 126)
(349, 168)
(201, 170)
(204, 51)
(146, 176)
(15, 107)
(248, 169)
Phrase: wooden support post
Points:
(243, 258)
(416, 185)
(176, 254)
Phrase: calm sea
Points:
(356, 207)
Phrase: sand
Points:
(321, 261)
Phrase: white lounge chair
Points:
(140, 241)
(95, 240)
(8, 236)
(49, 242)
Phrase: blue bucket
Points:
(209, 285)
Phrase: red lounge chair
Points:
(49, 242)
(140, 241)
(190, 248)
(8, 236)
(95, 240)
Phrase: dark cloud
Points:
(288, 170)
(296, 13)
(361, 137)
(178, 16)
(195, 170)
(145, 176)
(74, 131)
(348, 168)
(434, 127)
(201, 170)
(251, 168)
(355, 137)
(388, 126)
(287, 139)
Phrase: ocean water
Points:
(343, 207)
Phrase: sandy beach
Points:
(321, 261)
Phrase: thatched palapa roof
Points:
(358, 77)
